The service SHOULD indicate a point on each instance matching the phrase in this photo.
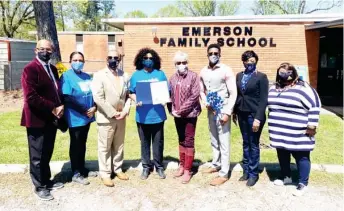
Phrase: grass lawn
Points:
(13, 141)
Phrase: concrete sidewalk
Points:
(58, 166)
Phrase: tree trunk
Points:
(46, 27)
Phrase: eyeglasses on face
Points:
(184, 63)
(146, 58)
(213, 53)
(45, 49)
(113, 57)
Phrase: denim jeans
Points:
(303, 163)
(151, 134)
(251, 151)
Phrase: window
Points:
(111, 42)
(79, 43)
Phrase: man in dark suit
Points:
(42, 106)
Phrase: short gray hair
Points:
(180, 56)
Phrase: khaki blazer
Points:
(110, 97)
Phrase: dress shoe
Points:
(218, 181)
(209, 170)
(44, 194)
(145, 173)
(122, 176)
(108, 182)
(161, 173)
(244, 177)
(78, 178)
(251, 182)
(54, 185)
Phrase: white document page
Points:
(160, 93)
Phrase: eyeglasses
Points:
(184, 63)
(45, 49)
(113, 57)
(146, 58)
(213, 53)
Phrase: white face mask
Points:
(214, 59)
(182, 68)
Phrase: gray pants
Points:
(219, 137)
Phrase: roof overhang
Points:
(84, 32)
(328, 24)
(304, 18)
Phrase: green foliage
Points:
(136, 14)
(169, 11)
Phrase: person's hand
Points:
(174, 113)
(235, 119)
(58, 111)
(90, 112)
(224, 119)
(116, 115)
(255, 126)
(139, 103)
(122, 115)
(311, 131)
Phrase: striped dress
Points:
(290, 112)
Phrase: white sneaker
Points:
(286, 181)
(300, 190)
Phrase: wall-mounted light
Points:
(155, 38)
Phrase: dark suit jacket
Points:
(254, 98)
(40, 95)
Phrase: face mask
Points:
(214, 59)
(77, 66)
(285, 75)
(44, 55)
(113, 64)
(249, 68)
(181, 68)
(148, 63)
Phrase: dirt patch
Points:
(170, 194)
(11, 100)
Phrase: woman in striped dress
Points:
(294, 108)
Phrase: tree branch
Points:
(325, 8)
(278, 4)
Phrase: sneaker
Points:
(54, 185)
(88, 173)
(44, 195)
(286, 181)
(78, 178)
(300, 190)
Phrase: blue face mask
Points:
(148, 63)
(77, 66)
(285, 75)
(249, 68)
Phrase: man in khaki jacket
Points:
(110, 93)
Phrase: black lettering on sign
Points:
(206, 31)
(237, 31)
(217, 31)
(230, 42)
(162, 41)
(185, 31)
(227, 31)
(190, 42)
(248, 30)
(251, 42)
(272, 44)
(205, 41)
(196, 43)
(241, 42)
(171, 43)
(220, 41)
(182, 42)
(196, 31)
(262, 42)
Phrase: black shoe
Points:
(244, 177)
(54, 185)
(251, 182)
(145, 173)
(161, 173)
(78, 178)
(44, 195)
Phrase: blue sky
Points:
(151, 6)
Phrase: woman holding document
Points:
(185, 107)
(150, 116)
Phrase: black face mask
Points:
(44, 55)
(112, 63)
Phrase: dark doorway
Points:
(330, 75)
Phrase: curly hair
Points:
(142, 53)
(249, 54)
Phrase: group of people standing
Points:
(293, 105)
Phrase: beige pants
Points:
(110, 147)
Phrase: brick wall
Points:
(290, 40)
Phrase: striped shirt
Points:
(290, 112)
